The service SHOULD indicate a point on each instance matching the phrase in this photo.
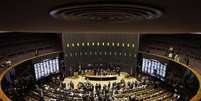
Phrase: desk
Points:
(101, 77)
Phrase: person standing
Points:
(36, 52)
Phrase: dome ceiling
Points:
(105, 12)
(84, 16)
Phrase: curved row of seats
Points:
(147, 94)
(14, 46)
(161, 47)
(189, 45)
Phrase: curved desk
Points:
(101, 77)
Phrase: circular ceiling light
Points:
(106, 13)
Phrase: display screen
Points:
(46, 67)
(154, 68)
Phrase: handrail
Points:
(196, 97)
(2, 94)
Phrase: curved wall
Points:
(179, 76)
(181, 67)
(18, 65)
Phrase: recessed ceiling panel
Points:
(105, 13)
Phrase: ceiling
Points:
(33, 16)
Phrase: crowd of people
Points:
(89, 92)
(101, 70)
(86, 91)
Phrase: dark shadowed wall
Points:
(82, 49)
